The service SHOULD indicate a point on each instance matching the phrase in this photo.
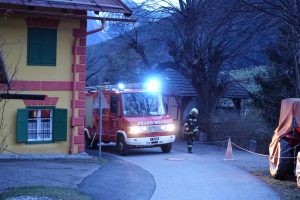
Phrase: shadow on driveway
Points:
(115, 179)
(118, 179)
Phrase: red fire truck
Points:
(132, 118)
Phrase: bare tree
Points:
(3, 129)
(136, 39)
(199, 39)
(93, 69)
(6, 81)
(132, 54)
(114, 66)
(204, 39)
(286, 15)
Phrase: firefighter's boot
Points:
(190, 149)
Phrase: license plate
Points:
(154, 128)
(154, 139)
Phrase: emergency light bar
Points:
(121, 86)
(151, 85)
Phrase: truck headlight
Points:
(170, 127)
(134, 129)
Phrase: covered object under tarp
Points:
(288, 120)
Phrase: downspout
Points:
(74, 79)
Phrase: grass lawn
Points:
(43, 191)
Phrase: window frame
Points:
(39, 128)
(115, 107)
(59, 125)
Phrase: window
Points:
(41, 46)
(41, 125)
(143, 104)
(115, 105)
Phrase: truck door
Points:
(115, 116)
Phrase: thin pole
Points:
(100, 123)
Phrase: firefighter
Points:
(191, 128)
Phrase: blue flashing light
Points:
(121, 86)
(153, 85)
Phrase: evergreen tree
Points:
(278, 81)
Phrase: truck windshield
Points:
(142, 104)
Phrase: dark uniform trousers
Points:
(190, 130)
(190, 140)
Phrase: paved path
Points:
(147, 174)
(179, 175)
(117, 180)
(64, 173)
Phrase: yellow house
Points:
(43, 48)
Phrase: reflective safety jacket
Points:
(191, 125)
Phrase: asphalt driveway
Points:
(201, 175)
(145, 174)
(117, 180)
(16, 173)
(113, 179)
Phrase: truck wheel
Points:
(122, 146)
(166, 148)
(282, 165)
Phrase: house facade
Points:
(43, 46)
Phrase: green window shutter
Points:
(49, 47)
(41, 46)
(34, 46)
(60, 124)
(22, 125)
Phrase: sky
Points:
(159, 2)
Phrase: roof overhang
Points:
(31, 7)
(54, 14)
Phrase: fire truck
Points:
(133, 116)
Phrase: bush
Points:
(242, 129)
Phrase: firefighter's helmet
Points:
(194, 111)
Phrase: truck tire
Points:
(166, 148)
(122, 146)
(282, 165)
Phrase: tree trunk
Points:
(205, 112)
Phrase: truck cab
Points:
(132, 118)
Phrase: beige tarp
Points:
(290, 108)
(298, 169)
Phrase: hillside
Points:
(109, 32)
(139, 48)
